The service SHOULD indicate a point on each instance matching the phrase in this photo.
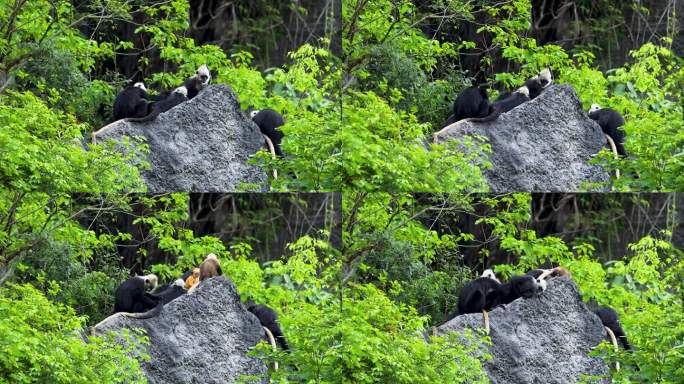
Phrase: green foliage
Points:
(404, 270)
(55, 75)
(43, 243)
(41, 150)
(394, 243)
(42, 50)
(360, 336)
(90, 292)
(418, 74)
(302, 91)
(646, 290)
(357, 315)
(391, 71)
(374, 148)
(41, 343)
(390, 247)
(644, 287)
(367, 338)
(390, 64)
(390, 56)
(353, 126)
(51, 59)
(363, 25)
(644, 91)
(26, 31)
(325, 321)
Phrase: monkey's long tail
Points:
(144, 315)
(271, 149)
(485, 316)
(149, 117)
(615, 345)
(144, 119)
(493, 116)
(271, 340)
(547, 272)
(615, 152)
(93, 135)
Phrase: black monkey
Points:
(197, 82)
(503, 95)
(520, 96)
(524, 286)
(490, 273)
(609, 319)
(268, 121)
(475, 296)
(538, 83)
(168, 293)
(535, 85)
(473, 105)
(478, 296)
(486, 292)
(610, 121)
(131, 295)
(131, 102)
(269, 319)
(178, 96)
(131, 299)
(472, 102)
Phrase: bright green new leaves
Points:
(647, 91)
(392, 22)
(41, 342)
(364, 337)
(41, 149)
(31, 25)
(42, 163)
(644, 287)
(389, 54)
(338, 332)
(43, 50)
(411, 247)
(386, 150)
(360, 335)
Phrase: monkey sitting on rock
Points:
(473, 105)
(486, 292)
(135, 105)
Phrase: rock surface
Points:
(201, 337)
(201, 145)
(544, 339)
(542, 145)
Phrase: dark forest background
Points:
(610, 222)
(268, 222)
(268, 30)
(408, 60)
(609, 28)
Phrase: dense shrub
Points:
(41, 343)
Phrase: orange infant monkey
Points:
(192, 279)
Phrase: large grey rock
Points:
(201, 337)
(544, 339)
(201, 145)
(542, 145)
